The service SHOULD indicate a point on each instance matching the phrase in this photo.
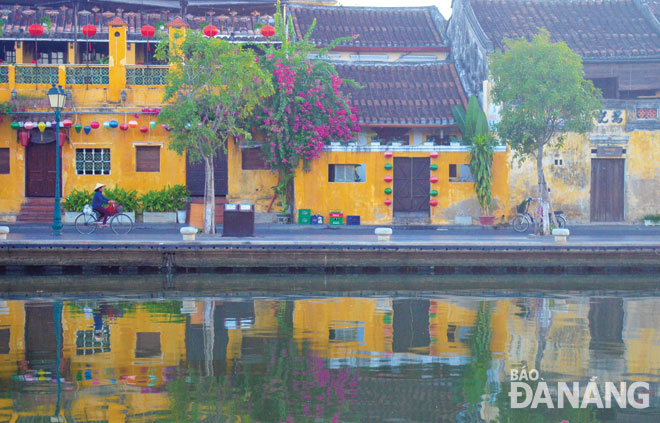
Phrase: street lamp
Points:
(57, 98)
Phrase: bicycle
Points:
(88, 220)
(524, 218)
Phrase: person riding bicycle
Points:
(98, 201)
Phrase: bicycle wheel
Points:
(85, 223)
(561, 221)
(520, 223)
(121, 224)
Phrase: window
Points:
(5, 335)
(4, 161)
(10, 56)
(559, 162)
(390, 139)
(51, 58)
(608, 86)
(88, 342)
(147, 345)
(147, 158)
(460, 173)
(251, 159)
(92, 161)
(347, 173)
(442, 139)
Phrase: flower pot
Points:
(181, 216)
(282, 218)
(487, 220)
(159, 217)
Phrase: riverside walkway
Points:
(282, 248)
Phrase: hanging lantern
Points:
(388, 166)
(132, 124)
(50, 124)
(28, 125)
(388, 154)
(87, 129)
(123, 126)
(36, 30)
(15, 125)
(24, 137)
(148, 31)
(388, 178)
(433, 179)
(106, 124)
(94, 125)
(62, 138)
(114, 124)
(166, 127)
(388, 191)
(41, 126)
(433, 193)
(89, 31)
(433, 154)
(144, 129)
(388, 202)
(152, 124)
(433, 166)
(77, 127)
(267, 31)
(433, 203)
(67, 123)
(210, 31)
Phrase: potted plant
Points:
(158, 206)
(73, 204)
(652, 220)
(128, 199)
(180, 196)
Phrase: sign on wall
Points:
(611, 117)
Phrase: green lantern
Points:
(388, 166)
(433, 193)
(434, 166)
(15, 125)
(388, 191)
(77, 127)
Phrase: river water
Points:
(324, 349)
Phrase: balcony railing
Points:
(33, 74)
(146, 75)
(4, 74)
(87, 75)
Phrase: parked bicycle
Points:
(89, 220)
(524, 219)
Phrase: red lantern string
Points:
(267, 31)
(89, 31)
(36, 30)
(148, 31)
(210, 31)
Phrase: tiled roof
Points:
(19, 18)
(404, 94)
(374, 26)
(593, 29)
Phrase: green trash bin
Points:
(304, 216)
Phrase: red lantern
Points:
(388, 178)
(433, 203)
(433, 179)
(24, 137)
(123, 126)
(144, 129)
(36, 30)
(89, 31)
(148, 31)
(434, 154)
(388, 202)
(95, 125)
(388, 154)
(267, 31)
(210, 31)
(62, 138)
(67, 123)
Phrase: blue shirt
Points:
(98, 200)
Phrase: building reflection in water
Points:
(315, 359)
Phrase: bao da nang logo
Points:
(529, 390)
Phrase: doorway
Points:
(607, 190)
(40, 169)
(411, 187)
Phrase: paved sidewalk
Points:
(596, 235)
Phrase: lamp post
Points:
(57, 98)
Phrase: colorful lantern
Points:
(388, 166)
(77, 127)
(89, 31)
(166, 127)
(106, 124)
(87, 129)
(41, 126)
(210, 31)
(388, 202)
(388, 154)
(152, 124)
(36, 30)
(28, 125)
(67, 123)
(433, 167)
(433, 154)
(388, 191)
(50, 124)
(388, 178)
(433, 203)
(433, 179)
(148, 31)
(267, 31)
(132, 124)
(433, 193)
(114, 124)
(94, 125)
(15, 125)
(62, 138)
(24, 137)
(123, 126)
(144, 129)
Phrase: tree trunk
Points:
(543, 193)
(209, 196)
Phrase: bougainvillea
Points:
(307, 110)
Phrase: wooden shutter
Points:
(4, 160)
(147, 159)
(252, 159)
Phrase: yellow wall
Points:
(14, 320)
(249, 186)
(366, 199)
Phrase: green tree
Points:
(542, 92)
(211, 91)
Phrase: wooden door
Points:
(195, 176)
(607, 180)
(411, 186)
(40, 170)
